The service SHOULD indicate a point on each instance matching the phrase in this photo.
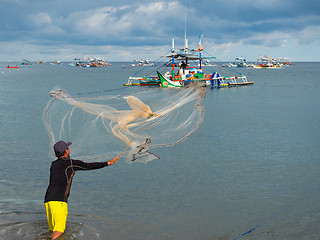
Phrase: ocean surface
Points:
(250, 171)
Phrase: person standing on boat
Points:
(62, 171)
(183, 65)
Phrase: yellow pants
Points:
(57, 213)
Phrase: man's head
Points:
(60, 148)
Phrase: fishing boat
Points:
(214, 80)
(25, 62)
(93, 62)
(187, 67)
(267, 63)
(12, 67)
(207, 63)
(149, 81)
(56, 63)
(143, 62)
(96, 62)
(166, 82)
(77, 63)
(239, 62)
(284, 61)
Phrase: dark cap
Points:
(60, 147)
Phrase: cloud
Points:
(131, 25)
(308, 35)
(40, 19)
(123, 25)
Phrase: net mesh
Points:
(126, 124)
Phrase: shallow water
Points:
(252, 164)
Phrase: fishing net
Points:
(127, 124)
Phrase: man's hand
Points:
(113, 161)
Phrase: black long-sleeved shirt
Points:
(62, 171)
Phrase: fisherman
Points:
(62, 171)
(183, 65)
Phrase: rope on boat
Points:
(219, 61)
(96, 92)
(148, 66)
(169, 61)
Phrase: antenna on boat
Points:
(172, 49)
(185, 29)
(185, 34)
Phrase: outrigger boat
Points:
(94, 62)
(284, 61)
(213, 80)
(25, 62)
(267, 62)
(239, 62)
(56, 63)
(187, 73)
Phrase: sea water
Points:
(253, 164)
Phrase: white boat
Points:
(239, 62)
(56, 63)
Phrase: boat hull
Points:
(149, 82)
(167, 83)
(264, 66)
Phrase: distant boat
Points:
(95, 62)
(25, 62)
(207, 63)
(267, 62)
(284, 61)
(12, 67)
(239, 62)
(56, 63)
(90, 63)
(143, 62)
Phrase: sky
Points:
(124, 30)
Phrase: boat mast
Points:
(172, 51)
(200, 50)
(185, 35)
